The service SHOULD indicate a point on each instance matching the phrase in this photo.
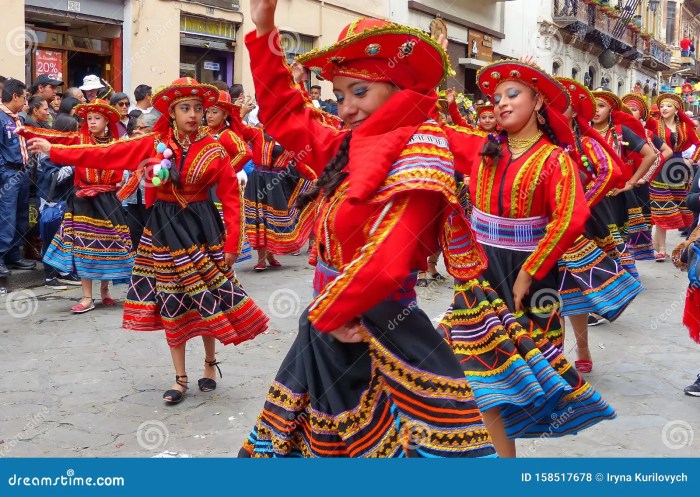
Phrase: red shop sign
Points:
(48, 62)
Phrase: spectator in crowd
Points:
(92, 86)
(235, 91)
(38, 113)
(45, 86)
(133, 121)
(2, 82)
(120, 101)
(54, 105)
(142, 95)
(66, 113)
(220, 85)
(76, 93)
(14, 180)
(315, 95)
(54, 183)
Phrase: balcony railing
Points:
(598, 24)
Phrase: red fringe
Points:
(691, 316)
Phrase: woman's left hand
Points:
(230, 259)
(352, 332)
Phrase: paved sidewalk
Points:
(82, 386)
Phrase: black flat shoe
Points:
(207, 384)
(173, 396)
(21, 264)
(4, 272)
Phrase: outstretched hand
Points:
(39, 145)
(262, 12)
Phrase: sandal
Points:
(273, 262)
(208, 384)
(176, 396)
(79, 308)
(660, 257)
(437, 277)
(583, 366)
(422, 282)
(109, 302)
(260, 266)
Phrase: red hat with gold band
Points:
(530, 75)
(609, 98)
(638, 102)
(487, 107)
(226, 104)
(98, 106)
(582, 100)
(676, 100)
(377, 50)
(185, 89)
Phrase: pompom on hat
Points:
(531, 75)
(185, 89)
(378, 50)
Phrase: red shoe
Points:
(260, 266)
(274, 262)
(109, 302)
(661, 257)
(584, 366)
(80, 308)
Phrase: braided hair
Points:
(546, 128)
(676, 134)
(331, 177)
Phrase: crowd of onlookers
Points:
(31, 182)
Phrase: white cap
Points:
(91, 82)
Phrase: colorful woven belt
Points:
(522, 234)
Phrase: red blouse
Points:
(234, 146)
(686, 138)
(541, 182)
(372, 230)
(205, 165)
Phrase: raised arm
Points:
(384, 263)
(456, 116)
(288, 117)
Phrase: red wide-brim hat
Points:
(226, 104)
(185, 89)
(675, 99)
(582, 100)
(638, 101)
(377, 50)
(98, 106)
(613, 101)
(494, 74)
(480, 109)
